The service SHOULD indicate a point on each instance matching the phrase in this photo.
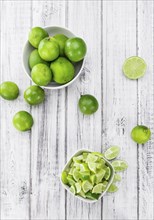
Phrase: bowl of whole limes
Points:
(53, 57)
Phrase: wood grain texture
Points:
(31, 162)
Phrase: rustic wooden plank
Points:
(146, 109)
(84, 19)
(120, 103)
(15, 146)
(48, 135)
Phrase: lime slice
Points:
(119, 165)
(76, 175)
(134, 67)
(92, 166)
(98, 154)
(64, 177)
(91, 158)
(108, 173)
(71, 171)
(117, 178)
(70, 180)
(73, 190)
(100, 163)
(82, 194)
(112, 188)
(78, 187)
(98, 188)
(93, 179)
(112, 152)
(85, 175)
(105, 183)
(92, 196)
(99, 176)
(78, 158)
(77, 166)
(84, 156)
(86, 186)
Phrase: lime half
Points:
(92, 196)
(64, 177)
(112, 152)
(119, 165)
(134, 67)
(73, 190)
(108, 173)
(78, 187)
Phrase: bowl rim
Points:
(77, 153)
(57, 86)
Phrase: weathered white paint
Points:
(31, 162)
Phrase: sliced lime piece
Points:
(77, 166)
(92, 166)
(78, 187)
(108, 173)
(76, 174)
(119, 165)
(72, 164)
(98, 154)
(134, 67)
(100, 163)
(78, 158)
(117, 178)
(82, 194)
(91, 158)
(71, 171)
(86, 186)
(92, 196)
(112, 152)
(70, 180)
(93, 179)
(113, 188)
(64, 177)
(98, 188)
(105, 183)
(99, 176)
(72, 189)
(85, 156)
(84, 167)
(85, 175)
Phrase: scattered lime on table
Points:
(75, 49)
(113, 188)
(63, 70)
(34, 95)
(61, 39)
(88, 104)
(119, 165)
(41, 74)
(112, 152)
(36, 34)
(134, 67)
(141, 134)
(22, 121)
(117, 178)
(9, 90)
(35, 58)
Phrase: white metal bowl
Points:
(28, 49)
(79, 152)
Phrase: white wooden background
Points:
(32, 161)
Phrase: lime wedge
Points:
(117, 178)
(98, 188)
(71, 171)
(78, 187)
(92, 196)
(93, 179)
(108, 173)
(98, 154)
(78, 158)
(84, 167)
(85, 175)
(100, 163)
(105, 183)
(112, 152)
(77, 166)
(86, 186)
(84, 156)
(99, 176)
(134, 67)
(76, 175)
(64, 177)
(112, 188)
(119, 165)
(70, 180)
(92, 166)
(82, 194)
(73, 190)
(91, 158)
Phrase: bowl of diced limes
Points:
(87, 175)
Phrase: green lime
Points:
(117, 178)
(134, 67)
(82, 194)
(34, 95)
(99, 176)
(35, 58)
(78, 187)
(105, 183)
(63, 70)
(60, 39)
(78, 159)
(76, 175)
(108, 173)
(92, 196)
(119, 165)
(91, 158)
(71, 171)
(113, 188)
(84, 175)
(70, 180)
(98, 154)
(9, 90)
(141, 134)
(98, 188)
(36, 34)
(73, 190)
(64, 177)
(23, 121)
(86, 186)
(88, 104)
(92, 166)
(93, 179)
(112, 152)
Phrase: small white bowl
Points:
(28, 49)
(79, 152)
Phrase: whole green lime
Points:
(88, 104)
(22, 121)
(60, 39)
(35, 58)
(63, 70)
(36, 34)
(34, 95)
(41, 74)
(9, 90)
(141, 134)
(48, 49)
(75, 49)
